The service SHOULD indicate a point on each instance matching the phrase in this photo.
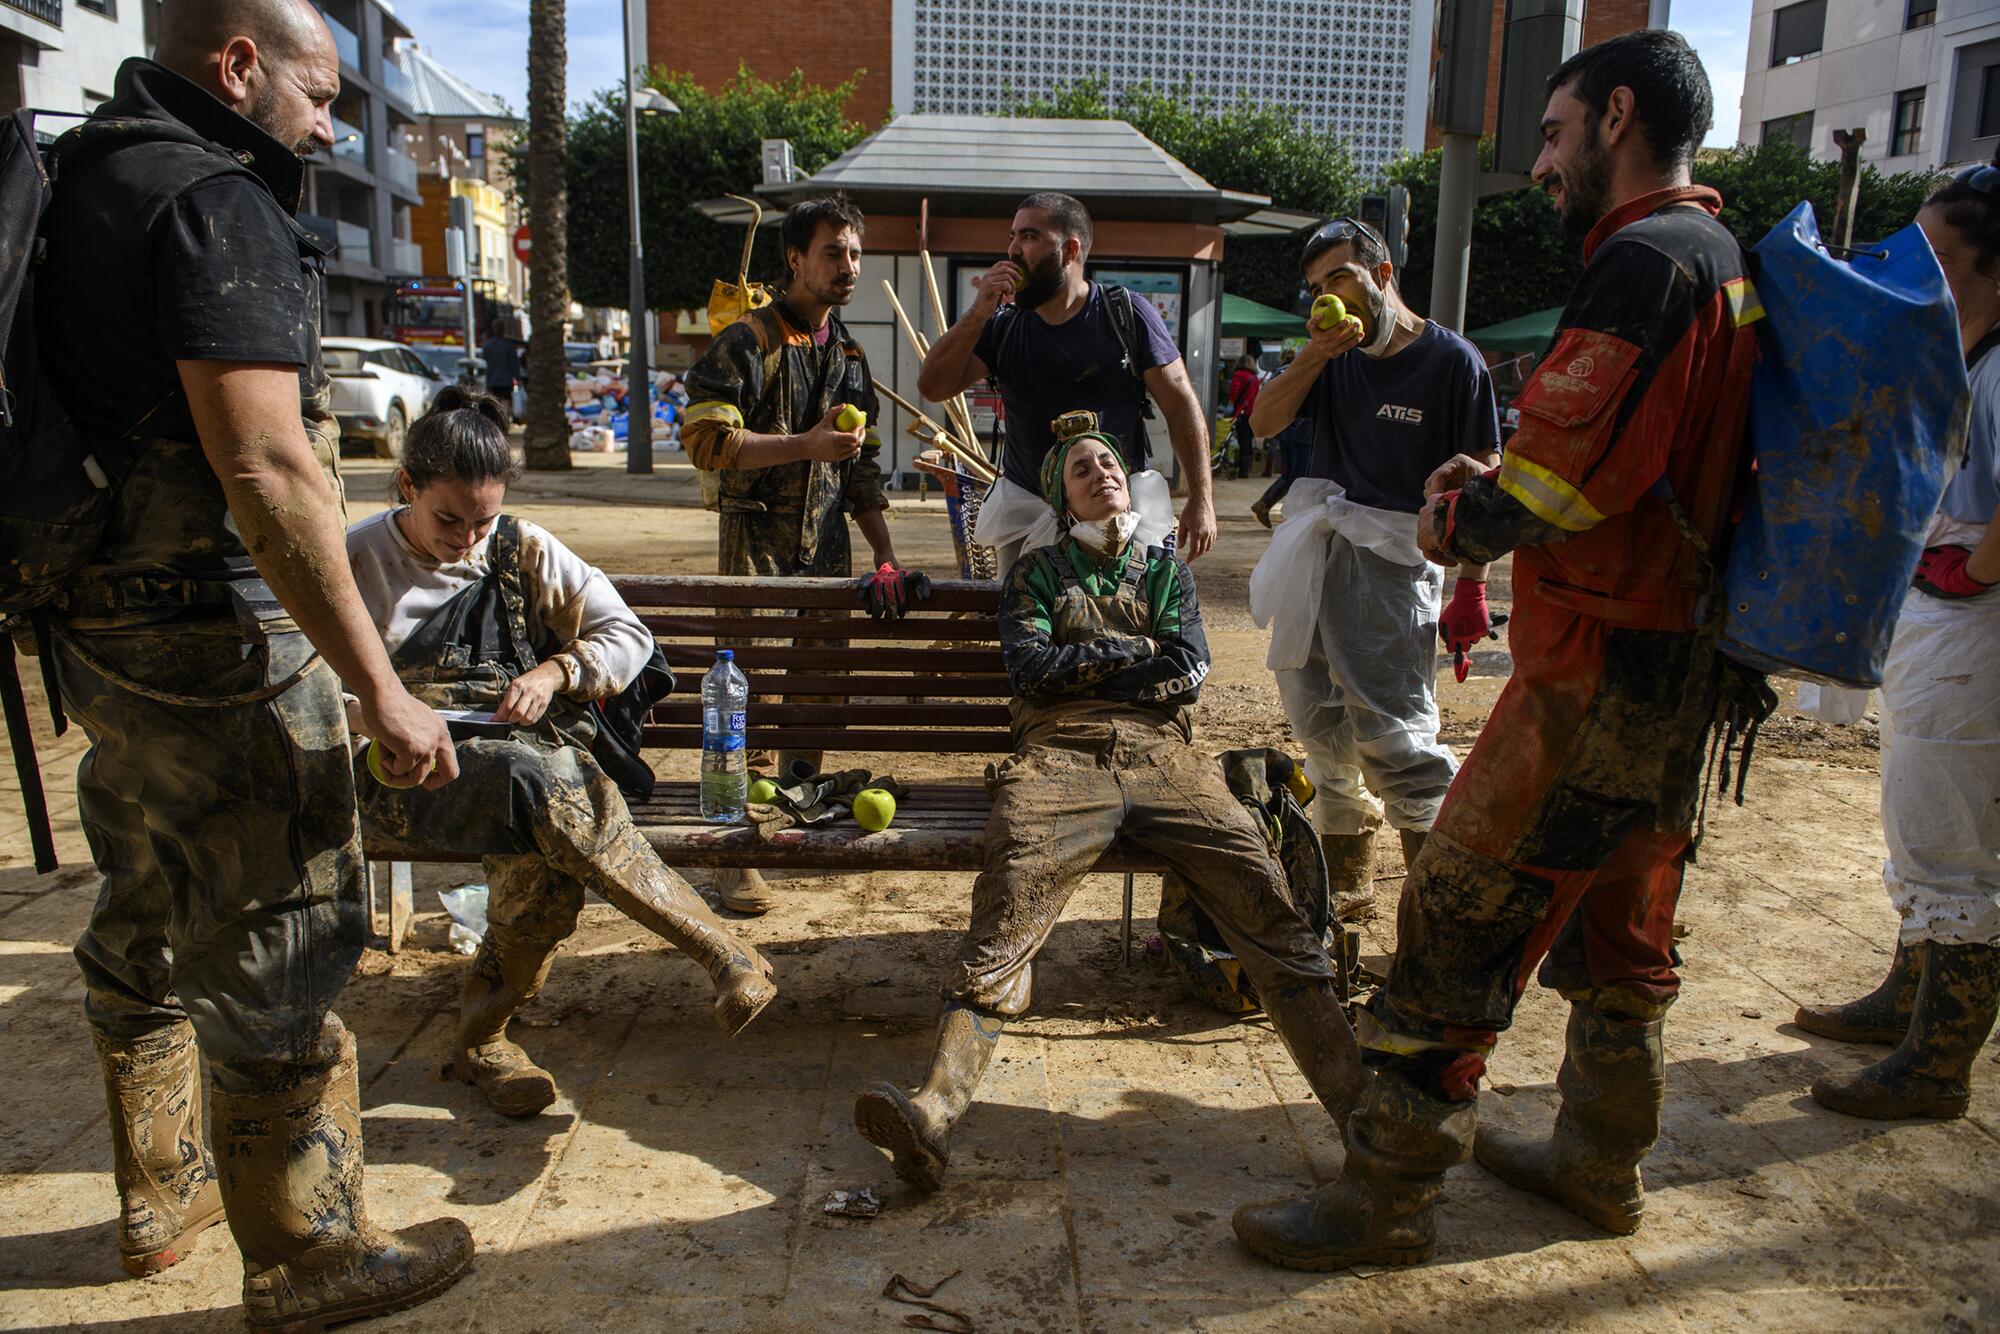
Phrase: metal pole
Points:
(638, 374)
(1656, 14)
(1458, 192)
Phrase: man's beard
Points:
(1040, 283)
(1586, 188)
(830, 295)
(262, 111)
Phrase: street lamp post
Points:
(638, 371)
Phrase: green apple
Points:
(1328, 310)
(874, 809)
(383, 776)
(851, 418)
(763, 792)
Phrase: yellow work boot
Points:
(486, 1058)
(166, 1179)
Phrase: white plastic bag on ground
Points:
(466, 906)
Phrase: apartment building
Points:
(63, 55)
(362, 193)
(1921, 76)
(460, 141)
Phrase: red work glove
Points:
(1942, 573)
(888, 592)
(1467, 621)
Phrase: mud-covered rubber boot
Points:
(505, 975)
(167, 1193)
(1613, 1081)
(636, 882)
(1350, 874)
(1930, 1073)
(1413, 843)
(1883, 1015)
(290, 1165)
(743, 889)
(1400, 1142)
(916, 1130)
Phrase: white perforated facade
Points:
(1344, 66)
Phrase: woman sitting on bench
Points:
(1105, 651)
(482, 611)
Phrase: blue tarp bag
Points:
(1858, 406)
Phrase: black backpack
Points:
(1125, 323)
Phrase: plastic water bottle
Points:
(725, 773)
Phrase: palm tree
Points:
(548, 301)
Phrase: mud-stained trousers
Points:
(232, 892)
(772, 546)
(544, 820)
(1075, 784)
(1564, 834)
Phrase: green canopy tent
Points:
(1529, 333)
(1244, 318)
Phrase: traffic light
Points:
(1539, 36)
(1458, 90)
(1389, 215)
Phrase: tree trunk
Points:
(548, 187)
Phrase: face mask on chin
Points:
(1102, 537)
(1384, 315)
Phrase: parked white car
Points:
(379, 388)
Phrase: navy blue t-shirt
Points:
(1383, 425)
(1048, 369)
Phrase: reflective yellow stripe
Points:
(714, 410)
(1745, 306)
(1547, 496)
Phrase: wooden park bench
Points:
(930, 684)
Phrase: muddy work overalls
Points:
(544, 819)
(1085, 771)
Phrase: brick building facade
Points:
(778, 36)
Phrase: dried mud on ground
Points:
(678, 1182)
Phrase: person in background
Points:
(503, 363)
(1293, 448)
(1244, 382)
(1941, 739)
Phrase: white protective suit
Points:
(1013, 519)
(1353, 608)
(1941, 762)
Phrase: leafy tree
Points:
(1262, 150)
(1522, 263)
(712, 148)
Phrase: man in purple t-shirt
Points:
(1057, 348)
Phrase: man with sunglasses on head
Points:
(1566, 830)
(1389, 397)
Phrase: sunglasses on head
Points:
(1344, 229)
(1983, 177)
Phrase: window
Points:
(1909, 122)
(1798, 31)
(1920, 14)
(1795, 130)
(1989, 102)
(475, 141)
(108, 8)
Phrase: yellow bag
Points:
(729, 302)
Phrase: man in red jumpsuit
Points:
(1565, 832)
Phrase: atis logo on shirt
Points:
(1396, 412)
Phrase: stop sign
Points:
(524, 244)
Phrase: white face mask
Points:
(1385, 326)
(1103, 536)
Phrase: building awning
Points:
(1244, 318)
(981, 165)
(1529, 333)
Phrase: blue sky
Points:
(486, 43)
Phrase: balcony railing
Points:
(401, 169)
(48, 11)
(405, 257)
(399, 84)
(345, 41)
(349, 142)
(357, 243)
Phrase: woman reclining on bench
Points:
(1104, 648)
(482, 611)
